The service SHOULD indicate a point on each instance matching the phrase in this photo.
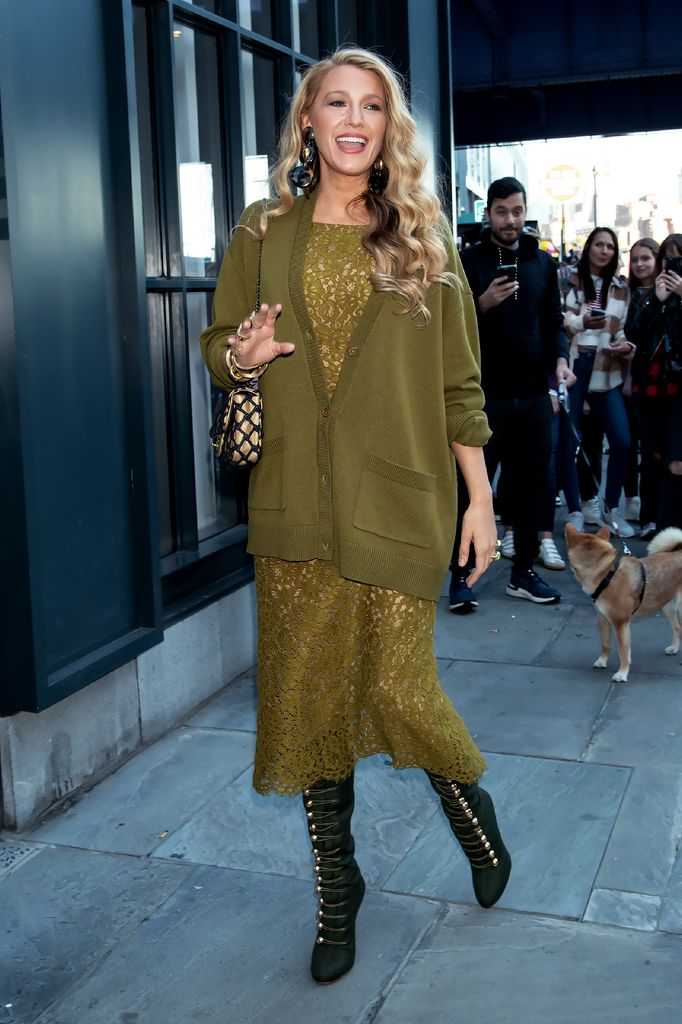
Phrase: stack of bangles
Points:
(242, 374)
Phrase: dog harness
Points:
(601, 587)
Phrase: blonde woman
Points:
(368, 334)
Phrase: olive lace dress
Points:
(346, 670)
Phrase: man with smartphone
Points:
(523, 345)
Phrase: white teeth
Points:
(351, 138)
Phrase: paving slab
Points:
(671, 910)
(624, 909)
(498, 631)
(234, 708)
(577, 645)
(641, 725)
(646, 834)
(238, 828)
(63, 911)
(234, 946)
(520, 709)
(556, 818)
(155, 792)
(524, 970)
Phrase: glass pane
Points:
(158, 320)
(208, 5)
(198, 142)
(216, 490)
(148, 162)
(257, 16)
(304, 24)
(348, 21)
(259, 117)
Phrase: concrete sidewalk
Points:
(172, 893)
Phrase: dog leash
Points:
(601, 587)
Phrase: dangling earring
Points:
(378, 177)
(305, 174)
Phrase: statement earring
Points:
(305, 174)
(378, 177)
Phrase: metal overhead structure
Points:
(537, 70)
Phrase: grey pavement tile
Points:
(555, 817)
(641, 725)
(646, 834)
(517, 709)
(498, 631)
(624, 909)
(671, 913)
(234, 946)
(234, 708)
(155, 792)
(240, 829)
(578, 645)
(62, 910)
(520, 970)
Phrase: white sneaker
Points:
(592, 513)
(576, 519)
(648, 531)
(549, 556)
(507, 549)
(633, 507)
(620, 526)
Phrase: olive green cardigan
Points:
(365, 480)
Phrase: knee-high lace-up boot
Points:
(471, 814)
(338, 882)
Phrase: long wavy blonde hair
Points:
(405, 234)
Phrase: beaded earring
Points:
(378, 177)
(305, 175)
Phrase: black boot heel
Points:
(338, 882)
(471, 814)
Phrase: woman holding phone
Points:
(655, 325)
(595, 317)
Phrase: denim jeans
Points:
(609, 407)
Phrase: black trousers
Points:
(521, 445)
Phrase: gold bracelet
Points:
(243, 374)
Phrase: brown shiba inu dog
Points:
(631, 589)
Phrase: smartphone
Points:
(507, 270)
(673, 263)
(597, 312)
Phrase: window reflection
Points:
(257, 16)
(217, 506)
(259, 117)
(148, 164)
(198, 145)
(305, 29)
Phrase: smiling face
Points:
(507, 217)
(601, 252)
(643, 264)
(348, 117)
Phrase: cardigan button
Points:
(353, 351)
(326, 412)
(325, 479)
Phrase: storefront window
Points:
(305, 27)
(259, 118)
(215, 498)
(257, 16)
(198, 146)
(148, 165)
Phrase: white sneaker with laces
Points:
(633, 507)
(592, 513)
(549, 556)
(576, 519)
(620, 526)
(507, 549)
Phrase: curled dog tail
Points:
(669, 539)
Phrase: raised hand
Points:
(254, 343)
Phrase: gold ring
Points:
(498, 543)
(495, 557)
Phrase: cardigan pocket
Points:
(396, 502)
(266, 487)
